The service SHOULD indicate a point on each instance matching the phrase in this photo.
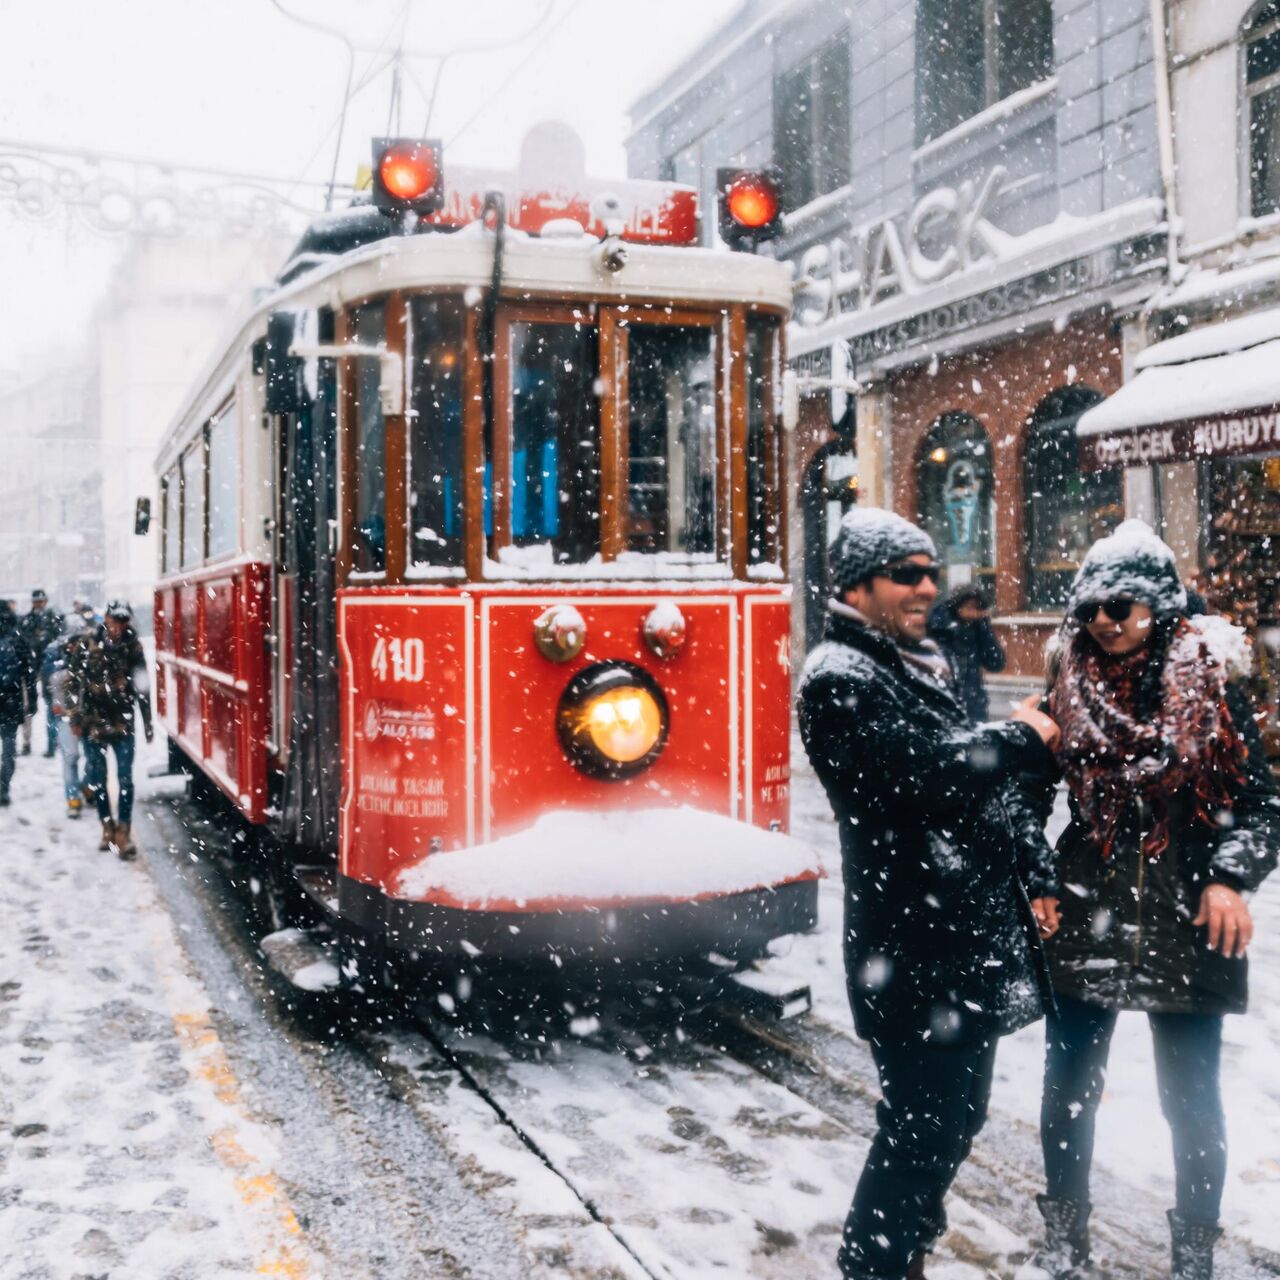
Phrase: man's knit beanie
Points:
(1131, 563)
(869, 539)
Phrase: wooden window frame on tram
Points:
(612, 320)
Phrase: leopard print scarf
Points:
(1110, 755)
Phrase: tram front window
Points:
(555, 439)
(369, 543)
(435, 434)
(672, 440)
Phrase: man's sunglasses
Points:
(1116, 610)
(910, 575)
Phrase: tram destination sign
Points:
(1236, 435)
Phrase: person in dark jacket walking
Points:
(40, 626)
(1174, 816)
(16, 689)
(107, 676)
(961, 628)
(941, 853)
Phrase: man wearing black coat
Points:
(16, 689)
(39, 628)
(961, 628)
(942, 855)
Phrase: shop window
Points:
(369, 448)
(764, 452)
(971, 54)
(957, 498)
(224, 514)
(191, 469)
(1262, 91)
(555, 439)
(171, 505)
(435, 434)
(811, 124)
(1067, 509)
(672, 440)
(1240, 559)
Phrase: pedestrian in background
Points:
(40, 626)
(961, 627)
(107, 677)
(57, 657)
(16, 681)
(1174, 816)
(940, 854)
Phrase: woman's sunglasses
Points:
(910, 575)
(1116, 610)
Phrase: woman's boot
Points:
(1064, 1255)
(1192, 1247)
(108, 834)
(123, 842)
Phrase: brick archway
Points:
(1001, 387)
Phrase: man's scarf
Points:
(1110, 757)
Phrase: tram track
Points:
(569, 1129)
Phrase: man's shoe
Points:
(4, 798)
(74, 807)
(50, 753)
(108, 835)
(26, 749)
(123, 841)
(915, 1268)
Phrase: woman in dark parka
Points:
(1174, 817)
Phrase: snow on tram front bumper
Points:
(616, 885)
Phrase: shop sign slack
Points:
(946, 235)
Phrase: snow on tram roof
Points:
(559, 267)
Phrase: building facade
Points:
(1196, 428)
(976, 195)
(50, 518)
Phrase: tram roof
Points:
(551, 267)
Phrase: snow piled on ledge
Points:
(610, 858)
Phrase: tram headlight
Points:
(612, 720)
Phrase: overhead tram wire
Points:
(515, 71)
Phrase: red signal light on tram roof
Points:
(750, 205)
(407, 175)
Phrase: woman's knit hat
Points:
(869, 539)
(1133, 563)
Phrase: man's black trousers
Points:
(933, 1102)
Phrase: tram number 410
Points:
(404, 660)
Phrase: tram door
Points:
(304, 612)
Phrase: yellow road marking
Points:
(267, 1218)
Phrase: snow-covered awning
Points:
(1214, 392)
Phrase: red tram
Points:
(473, 572)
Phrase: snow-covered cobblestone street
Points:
(122, 1137)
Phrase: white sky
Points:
(235, 84)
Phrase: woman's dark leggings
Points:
(1188, 1051)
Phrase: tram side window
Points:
(223, 439)
(672, 440)
(555, 445)
(191, 465)
(764, 453)
(435, 434)
(369, 443)
(172, 520)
